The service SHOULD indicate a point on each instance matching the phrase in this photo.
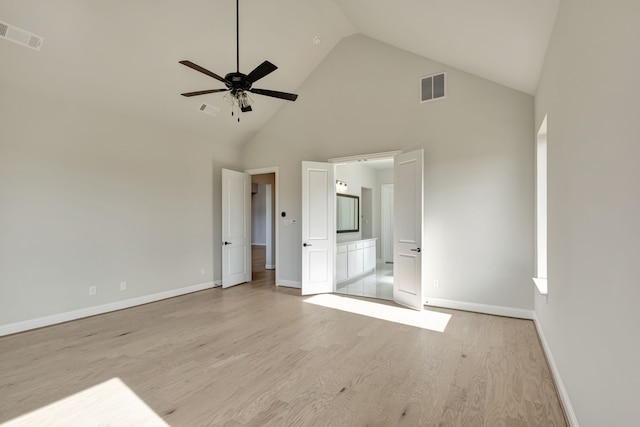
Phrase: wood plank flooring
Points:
(258, 355)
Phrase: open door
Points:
(318, 227)
(407, 229)
(236, 228)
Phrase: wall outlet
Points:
(294, 222)
(202, 271)
(436, 283)
(123, 286)
(93, 290)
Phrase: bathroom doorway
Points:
(369, 180)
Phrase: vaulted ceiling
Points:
(124, 55)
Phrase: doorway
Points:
(264, 234)
(370, 180)
(323, 260)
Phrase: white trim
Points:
(562, 391)
(270, 267)
(13, 328)
(258, 244)
(217, 283)
(359, 157)
(541, 285)
(498, 310)
(289, 283)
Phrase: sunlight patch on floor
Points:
(432, 320)
(110, 403)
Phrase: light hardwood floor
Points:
(257, 354)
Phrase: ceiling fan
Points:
(239, 84)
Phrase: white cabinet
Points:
(355, 258)
(369, 255)
(341, 263)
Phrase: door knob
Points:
(416, 250)
(306, 244)
(226, 243)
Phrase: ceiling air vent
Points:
(20, 36)
(211, 110)
(432, 87)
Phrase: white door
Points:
(318, 227)
(407, 229)
(236, 228)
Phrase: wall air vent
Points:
(20, 36)
(211, 110)
(432, 87)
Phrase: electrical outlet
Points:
(202, 271)
(123, 286)
(93, 290)
(436, 283)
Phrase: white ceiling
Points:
(124, 54)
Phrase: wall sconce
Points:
(341, 186)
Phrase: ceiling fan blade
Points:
(203, 71)
(260, 71)
(275, 94)
(203, 92)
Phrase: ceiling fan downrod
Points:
(237, 36)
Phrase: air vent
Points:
(432, 87)
(211, 110)
(20, 36)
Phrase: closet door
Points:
(236, 228)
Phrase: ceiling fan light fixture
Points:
(239, 101)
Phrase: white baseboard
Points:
(270, 267)
(290, 283)
(498, 310)
(258, 244)
(217, 283)
(13, 328)
(562, 391)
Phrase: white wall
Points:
(478, 142)
(89, 197)
(259, 216)
(590, 90)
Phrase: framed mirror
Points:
(347, 213)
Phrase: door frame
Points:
(276, 188)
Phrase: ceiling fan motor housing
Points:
(237, 81)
